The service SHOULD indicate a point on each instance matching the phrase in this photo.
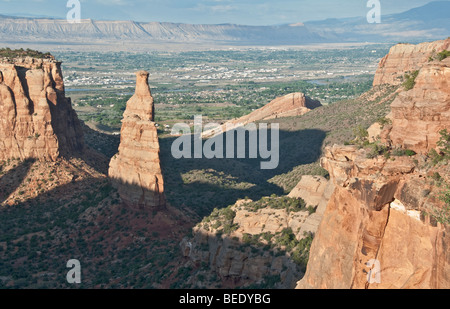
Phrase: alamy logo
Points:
(230, 144)
(74, 14)
(374, 15)
(74, 275)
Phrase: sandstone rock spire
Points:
(135, 170)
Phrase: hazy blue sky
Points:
(248, 12)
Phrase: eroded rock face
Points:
(233, 260)
(420, 114)
(404, 58)
(316, 191)
(379, 213)
(37, 120)
(376, 213)
(135, 170)
(230, 257)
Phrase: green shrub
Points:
(444, 149)
(14, 53)
(361, 134)
(444, 143)
(436, 176)
(442, 215)
(410, 80)
(410, 152)
(301, 252)
(383, 121)
(443, 54)
(399, 152)
(376, 150)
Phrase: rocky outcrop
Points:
(235, 257)
(251, 251)
(418, 115)
(404, 58)
(291, 105)
(37, 119)
(377, 215)
(311, 189)
(316, 191)
(135, 170)
(379, 229)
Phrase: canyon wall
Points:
(135, 170)
(404, 58)
(418, 115)
(37, 119)
(378, 212)
(378, 229)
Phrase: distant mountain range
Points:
(428, 22)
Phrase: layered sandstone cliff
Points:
(378, 230)
(37, 119)
(418, 115)
(377, 214)
(404, 58)
(135, 170)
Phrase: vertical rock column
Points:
(135, 171)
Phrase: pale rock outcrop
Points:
(135, 170)
(290, 105)
(403, 58)
(316, 191)
(310, 189)
(37, 119)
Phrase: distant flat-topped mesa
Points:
(135, 170)
(403, 58)
(36, 119)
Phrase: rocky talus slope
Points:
(135, 170)
(37, 119)
(378, 230)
